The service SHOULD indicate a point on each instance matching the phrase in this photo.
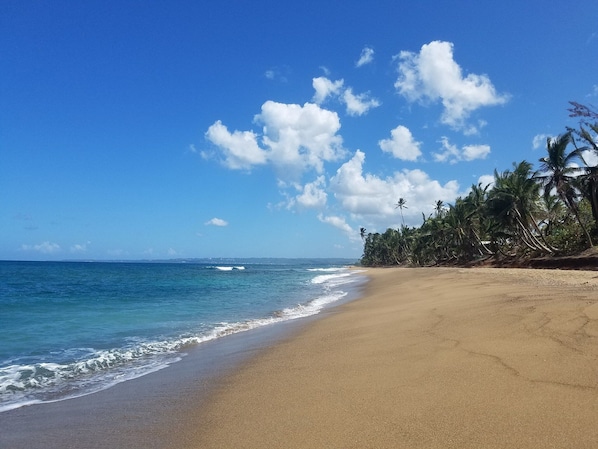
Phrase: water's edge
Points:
(143, 412)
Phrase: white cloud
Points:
(452, 154)
(372, 197)
(540, 140)
(366, 57)
(325, 69)
(240, 148)
(299, 138)
(313, 194)
(433, 75)
(277, 74)
(473, 152)
(79, 248)
(339, 223)
(216, 222)
(295, 139)
(358, 104)
(44, 248)
(401, 144)
(486, 180)
(325, 88)
(590, 158)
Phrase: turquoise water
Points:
(72, 328)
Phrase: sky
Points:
(205, 129)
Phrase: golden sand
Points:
(427, 358)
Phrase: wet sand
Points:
(144, 413)
(428, 358)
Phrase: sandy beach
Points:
(428, 358)
(425, 358)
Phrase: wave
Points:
(25, 382)
(331, 269)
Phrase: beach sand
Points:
(427, 358)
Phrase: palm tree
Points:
(480, 223)
(513, 202)
(401, 204)
(588, 124)
(362, 233)
(557, 173)
(553, 210)
(589, 180)
(439, 208)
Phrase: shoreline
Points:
(427, 358)
(149, 410)
(420, 358)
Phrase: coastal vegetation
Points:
(523, 214)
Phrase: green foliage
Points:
(524, 214)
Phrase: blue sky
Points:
(156, 130)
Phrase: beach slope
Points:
(428, 358)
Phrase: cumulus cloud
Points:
(339, 223)
(472, 152)
(240, 148)
(452, 154)
(299, 138)
(401, 144)
(295, 139)
(313, 194)
(366, 57)
(356, 104)
(216, 222)
(366, 195)
(433, 75)
(43, 248)
(325, 88)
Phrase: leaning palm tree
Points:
(513, 203)
(557, 173)
(401, 204)
(480, 222)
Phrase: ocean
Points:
(69, 329)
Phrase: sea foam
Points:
(84, 370)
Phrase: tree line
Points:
(525, 213)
